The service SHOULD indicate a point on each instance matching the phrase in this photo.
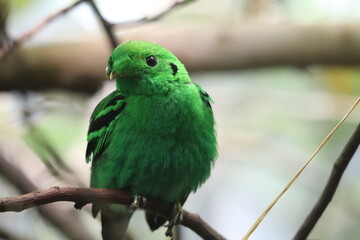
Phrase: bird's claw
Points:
(177, 217)
(175, 220)
(137, 202)
(170, 233)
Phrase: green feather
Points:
(155, 134)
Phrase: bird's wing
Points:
(101, 120)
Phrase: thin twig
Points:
(155, 17)
(108, 27)
(83, 196)
(330, 188)
(267, 210)
(17, 42)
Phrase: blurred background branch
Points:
(201, 48)
(5, 234)
(108, 27)
(12, 44)
(44, 148)
(62, 220)
(327, 195)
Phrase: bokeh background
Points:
(279, 78)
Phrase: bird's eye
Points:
(151, 61)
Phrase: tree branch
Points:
(330, 188)
(83, 196)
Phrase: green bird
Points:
(153, 136)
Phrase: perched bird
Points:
(153, 136)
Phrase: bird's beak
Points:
(113, 75)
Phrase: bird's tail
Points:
(114, 221)
(154, 221)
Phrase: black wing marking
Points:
(206, 98)
(100, 123)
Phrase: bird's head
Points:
(141, 67)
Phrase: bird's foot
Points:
(137, 202)
(176, 218)
(176, 215)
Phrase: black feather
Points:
(174, 68)
(91, 146)
(114, 100)
(205, 98)
(101, 122)
(154, 221)
(106, 119)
